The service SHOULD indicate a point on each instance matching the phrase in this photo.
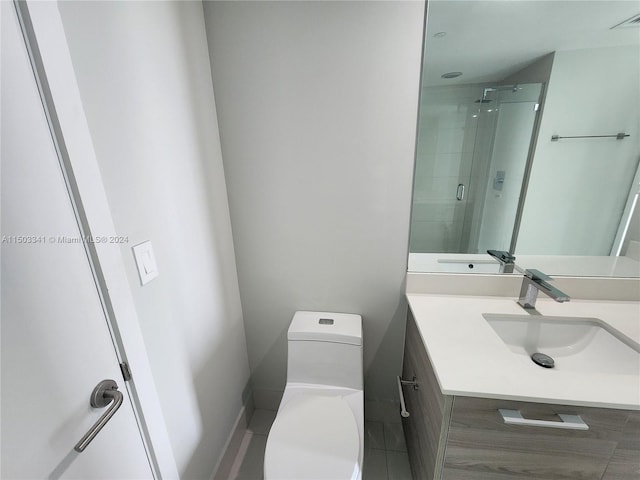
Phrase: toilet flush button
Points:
(326, 321)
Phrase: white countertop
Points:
(470, 359)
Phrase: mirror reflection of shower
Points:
(475, 139)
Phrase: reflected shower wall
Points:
(502, 168)
(472, 152)
(446, 137)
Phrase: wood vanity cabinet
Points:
(453, 437)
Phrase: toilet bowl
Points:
(318, 432)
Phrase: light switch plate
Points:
(145, 261)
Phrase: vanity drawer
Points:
(480, 445)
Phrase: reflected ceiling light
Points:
(451, 75)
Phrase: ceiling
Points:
(489, 40)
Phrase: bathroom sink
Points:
(586, 345)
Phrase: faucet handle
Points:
(502, 256)
(534, 274)
(538, 281)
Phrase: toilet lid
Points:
(313, 437)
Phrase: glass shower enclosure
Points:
(473, 156)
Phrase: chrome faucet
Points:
(534, 281)
(507, 261)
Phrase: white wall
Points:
(536, 72)
(317, 103)
(578, 187)
(144, 76)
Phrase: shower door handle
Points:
(460, 192)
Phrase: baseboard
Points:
(228, 456)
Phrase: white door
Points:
(55, 342)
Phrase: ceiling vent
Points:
(630, 22)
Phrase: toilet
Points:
(318, 432)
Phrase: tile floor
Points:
(385, 455)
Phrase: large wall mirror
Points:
(529, 137)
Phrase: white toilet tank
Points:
(326, 349)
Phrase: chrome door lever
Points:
(105, 393)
